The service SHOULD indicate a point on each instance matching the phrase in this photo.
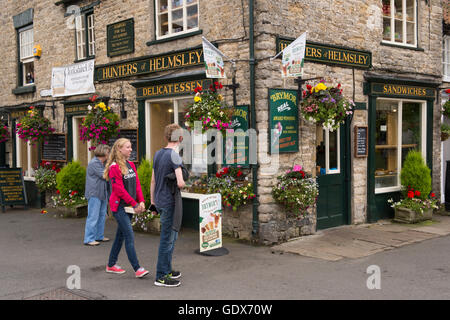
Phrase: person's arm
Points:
(115, 176)
(152, 188)
(180, 181)
(96, 169)
(139, 195)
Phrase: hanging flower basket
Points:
(446, 109)
(33, 126)
(325, 105)
(99, 125)
(445, 131)
(4, 133)
(209, 110)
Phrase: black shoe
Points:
(167, 282)
(174, 274)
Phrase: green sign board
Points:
(236, 146)
(329, 54)
(12, 188)
(171, 89)
(120, 38)
(150, 64)
(283, 120)
(402, 90)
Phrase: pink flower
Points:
(297, 168)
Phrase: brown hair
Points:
(169, 132)
(116, 156)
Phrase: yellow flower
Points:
(197, 99)
(102, 105)
(220, 97)
(320, 87)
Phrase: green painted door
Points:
(332, 204)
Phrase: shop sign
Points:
(213, 60)
(74, 79)
(293, 58)
(329, 54)
(283, 120)
(54, 147)
(12, 187)
(18, 114)
(76, 109)
(210, 222)
(120, 38)
(151, 64)
(402, 90)
(237, 144)
(171, 89)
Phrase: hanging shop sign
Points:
(210, 222)
(120, 38)
(283, 120)
(293, 58)
(72, 80)
(12, 187)
(329, 54)
(236, 146)
(215, 67)
(361, 141)
(400, 90)
(54, 147)
(171, 89)
(132, 135)
(150, 64)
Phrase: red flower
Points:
(417, 193)
(57, 191)
(198, 89)
(239, 173)
(432, 194)
(226, 170)
(447, 91)
(410, 194)
(93, 98)
(218, 175)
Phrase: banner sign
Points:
(12, 188)
(293, 58)
(283, 118)
(236, 146)
(120, 38)
(73, 80)
(213, 60)
(329, 54)
(210, 222)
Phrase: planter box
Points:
(405, 215)
(79, 211)
(152, 226)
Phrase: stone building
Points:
(387, 55)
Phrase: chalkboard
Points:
(132, 135)
(361, 140)
(12, 188)
(54, 148)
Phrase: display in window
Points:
(411, 129)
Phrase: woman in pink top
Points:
(126, 192)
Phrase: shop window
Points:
(26, 42)
(26, 157)
(160, 113)
(85, 36)
(446, 58)
(327, 151)
(400, 22)
(400, 127)
(176, 17)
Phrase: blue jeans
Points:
(95, 222)
(166, 242)
(124, 232)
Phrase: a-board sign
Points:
(210, 220)
(361, 141)
(54, 147)
(120, 38)
(12, 187)
(132, 135)
(283, 120)
(237, 144)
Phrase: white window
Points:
(85, 39)
(400, 127)
(175, 17)
(400, 22)
(446, 58)
(328, 160)
(26, 43)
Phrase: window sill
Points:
(175, 37)
(84, 59)
(389, 44)
(24, 89)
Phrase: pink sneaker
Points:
(141, 273)
(115, 269)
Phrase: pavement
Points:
(38, 252)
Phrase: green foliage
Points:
(45, 179)
(144, 172)
(416, 175)
(71, 178)
(446, 108)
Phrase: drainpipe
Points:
(252, 64)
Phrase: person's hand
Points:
(142, 205)
(138, 209)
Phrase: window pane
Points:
(177, 3)
(28, 69)
(26, 43)
(387, 29)
(177, 21)
(398, 31)
(80, 37)
(411, 128)
(386, 148)
(333, 145)
(91, 35)
(164, 24)
(161, 114)
(410, 14)
(192, 17)
(320, 151)
(387, 8)
(398, 7)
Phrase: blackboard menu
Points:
(361, 140)
(12, 189)
(236, 147)
(54, 147)
(283, 120)
(120, 38)
(132, 135)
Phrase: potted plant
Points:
(418, 201)
(4, 133)
(296, 190)
(34, 127)
(325, 105)
(446, 109)
(45, 178)
(445, 131)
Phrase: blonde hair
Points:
(102, 150)
(116, 156)
(169, 132)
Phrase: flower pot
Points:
(405, 215)
(78, 211)
(152, 226)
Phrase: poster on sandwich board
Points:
(210, 220)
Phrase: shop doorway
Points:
(81, 151)
(332, 204)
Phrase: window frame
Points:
(88, 40)
(28, 59)
(424, 144)
(169, 11)
(446, 58)
(404, 25)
